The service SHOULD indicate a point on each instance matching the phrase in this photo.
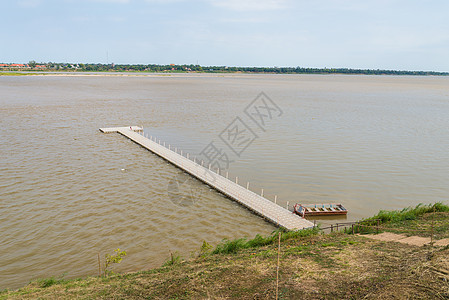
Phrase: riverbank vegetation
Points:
(422, 220)
(151, 68)
(13, 74)
(312, 265)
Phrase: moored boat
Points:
(328, 209)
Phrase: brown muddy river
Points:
(69, 192)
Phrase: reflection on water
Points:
(68, 192)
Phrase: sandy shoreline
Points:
(178, 75)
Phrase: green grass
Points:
(46, 282)
(312, 265)
(175, 259)
(12, 74)
(409, 213)
(233, 246)
(416, 220)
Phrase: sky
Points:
(363, 34)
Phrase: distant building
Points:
(14, 66)
(18, 66)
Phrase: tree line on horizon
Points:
(97, 67)
(226, 69)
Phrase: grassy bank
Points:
(312, 265)
(13, 74)
(422, 220)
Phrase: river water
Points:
(69, 192)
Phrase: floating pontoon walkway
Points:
(270, 211)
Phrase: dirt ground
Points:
(335, 266)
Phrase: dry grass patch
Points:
(335, 266)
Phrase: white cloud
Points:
(29, 3)
(235, 20)
(104, 19)
(250, 5)
(113, 1)
(164, 1)
(403, 39)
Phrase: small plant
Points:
(205, 249)
(174, 259)
(113, 259)
(46, 282)
(43, 283)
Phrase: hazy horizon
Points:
(211, 66)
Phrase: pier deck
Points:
(267, 209)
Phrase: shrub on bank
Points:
(232, 246)
(409, 213)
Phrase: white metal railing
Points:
(245, 196)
